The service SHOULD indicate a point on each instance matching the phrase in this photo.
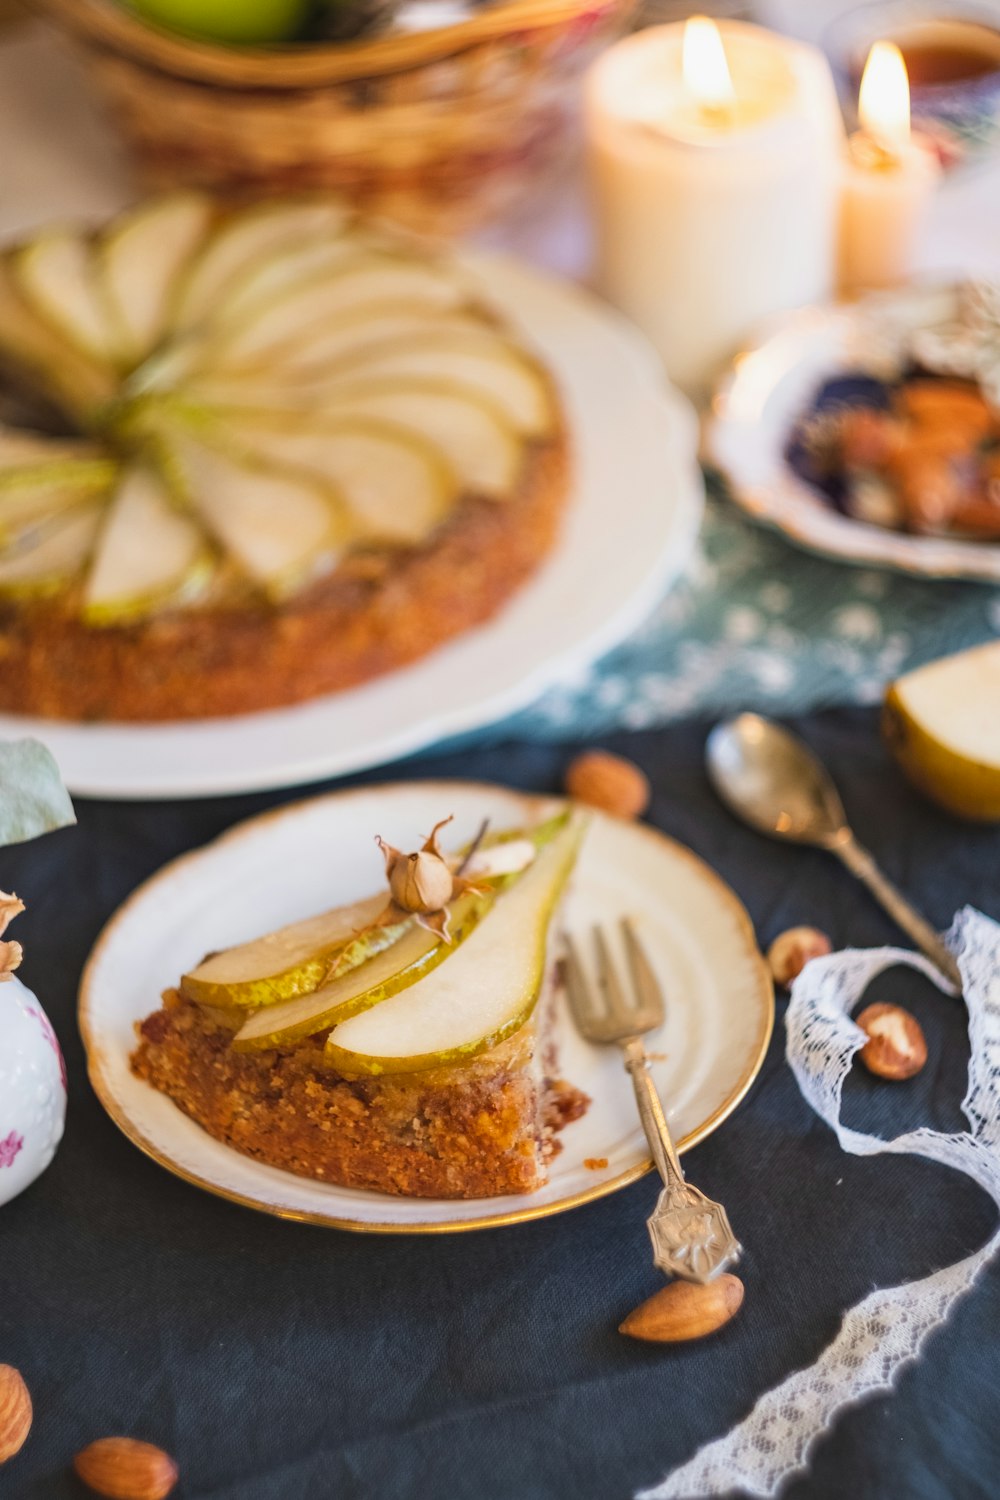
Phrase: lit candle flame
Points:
(706, 71)
(884, 100)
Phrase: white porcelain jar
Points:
(32, 1090)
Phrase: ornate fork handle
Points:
(691, 1234)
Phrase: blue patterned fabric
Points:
(759, 623)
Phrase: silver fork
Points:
(690, 1234)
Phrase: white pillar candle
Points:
(714, 163)
(888, 179)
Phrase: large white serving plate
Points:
(767, 390)
(629, 529)
(287, 864)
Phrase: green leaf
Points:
(33, 799)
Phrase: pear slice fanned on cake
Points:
(141, 260)
(58, 369)
(370, 327)
(283, 529)
(57, 554)
(397, 486)
(58, 276)
(32, 495)
(364, 278)
(148, 554)
(483, 993)
(250, 238)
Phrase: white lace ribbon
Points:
(887, 1329)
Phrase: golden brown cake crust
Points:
(202, 662)
(479, 1130)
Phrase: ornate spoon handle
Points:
(903, 912)
(691, 1234)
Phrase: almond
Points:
(122, 1468)
(896, 1047)
(792, 950)
(610, 782)
(683, 1310)
(15, 1412)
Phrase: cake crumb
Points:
(595, 1163)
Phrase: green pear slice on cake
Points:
(396, 485)
(58, 275)
(141, 259)
(484, 992)
(282, 529)
(148, 555)
(292, 961)
(32, 495)
(496, 864)
(475, 437)
(250, 238)
(480, 362)
(57, 554)
(362, 279)
(77, 384)
(369, 328)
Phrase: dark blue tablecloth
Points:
(280, 1362)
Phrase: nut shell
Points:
(792, 950)
(896, 1046)
(122, 1468)
(15, 1412)
(609, 782)
(684, 1310)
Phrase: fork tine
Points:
(578, 992)
(607, 976)
(647, 986)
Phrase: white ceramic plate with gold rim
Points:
(720, 1004)
(773, 383)
(630, 527)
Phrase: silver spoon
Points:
(771, 779)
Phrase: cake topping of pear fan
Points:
(271, 389)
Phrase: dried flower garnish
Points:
(422, 884)
(10, 907)
(10, 959)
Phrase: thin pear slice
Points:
(338, 342)
(34, 494)
(282, 529)
(141, 259)
(482, 362)
(281, 276)
(366, 280)
(396, 485)
(57, 275)
(19, 449)
(148, 555)
(59, 554)
(472, 433)
(294, 960)
(484, 992)
(245, 239)
(413, 955)
(75, 382)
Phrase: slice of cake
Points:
(403, 1044)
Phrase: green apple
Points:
(483, 993)
(247, 21)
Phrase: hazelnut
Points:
(15, 1412)
(896, 1047)
(609, 782)
(792, 950)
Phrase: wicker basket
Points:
(441, 130)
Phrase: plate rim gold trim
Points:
(454, 1226)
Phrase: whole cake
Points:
(402, 1044)
(260, 454)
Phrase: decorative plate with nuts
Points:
(300, 859)
(870, 431)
